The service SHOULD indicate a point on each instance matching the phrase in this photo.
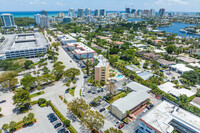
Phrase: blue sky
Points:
(117, 5)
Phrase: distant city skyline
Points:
(109, 5)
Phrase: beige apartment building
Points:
(102, 69)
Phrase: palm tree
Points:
(111, 87)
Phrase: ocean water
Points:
(49, 13)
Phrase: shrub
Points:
(33, 102)
(41, 101)
(43, 105)
(67, 123)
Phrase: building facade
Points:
(71, 12)
(96, 12)
(37, 19)
(162, 12)
(102, 69)
(8, 21)
(25, 45)
(166, 118)
(102, 12)
(87, 11)
(44, 21)
(80, 12)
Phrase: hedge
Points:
(62, 118)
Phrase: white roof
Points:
(168, 87)
(134, 98)
(130, 101)
(160, 117)
(102, 61)
(182, 67)
(80, 48)
(195, 65)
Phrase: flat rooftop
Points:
(81, 48)
(23, 42)
(169, 88)
(160, 117)
(182, 67)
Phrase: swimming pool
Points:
(119, 76)
(117, 71)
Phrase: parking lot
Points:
(43, 125)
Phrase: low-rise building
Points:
(166, 117)
(180, 68)
(151, 56)
(24, 45)
(165, 62)
(195, 102)
(66, 39)
(169, 88)
(102, 69)
(132, 102)
(80, 50)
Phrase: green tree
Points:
(170, 49)
(93, 119)
(45, 70)
(21, 97)
(31, 117)
(111, 87)
(78, 106)
(12, 125)
(5, 127)
(58, 70)
(7, 79)
(41, 101)
(192, 76)
(28, 63)
(72, 73)
(25, 120)
(28, 81)
(113, 130)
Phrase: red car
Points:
(121, 125)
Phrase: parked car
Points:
(121, 125)
(51, 114)
(57, 125)
(70, 60)
(117, 124)
(30, 107)
(3, 101)
(101, 110)
(61, 130)
(53, 119)
(150, 106)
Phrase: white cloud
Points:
(171, 2)
(38, 2)
(59, 4)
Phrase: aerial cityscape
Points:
(100, 67)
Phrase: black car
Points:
(51, 114)
(53, 119)
(61, 130)
(3, 101)
(57, 125)
(101, 110)
(150, 106)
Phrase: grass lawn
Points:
(36, 94)
(117, 96)
(71, 91)
(80, 92)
